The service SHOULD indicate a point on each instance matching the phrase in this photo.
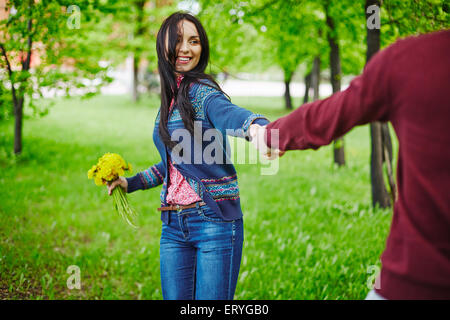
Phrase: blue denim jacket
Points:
(215, 183)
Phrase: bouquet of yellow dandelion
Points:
(109, 167)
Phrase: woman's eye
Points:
(195, 42)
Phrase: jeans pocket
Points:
(208, 214)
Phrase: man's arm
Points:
(316, 124)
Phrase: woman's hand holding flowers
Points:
(121, 181)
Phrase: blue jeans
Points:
(200, 255)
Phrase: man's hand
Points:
(257, 133)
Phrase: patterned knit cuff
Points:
(151, 177)
(254, 118)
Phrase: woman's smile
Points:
(183, 60)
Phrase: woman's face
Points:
(188, 49)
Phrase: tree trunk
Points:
(380, 195)
(339, 151)
(387, 142)
(335, 77)
(287, 90)
(138, 31)
(17, 105)
(315, 79)
(19, 95)
(307, 87)
(135, 78)
(387, 159)
(18, 116)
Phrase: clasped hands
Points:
(257, 138)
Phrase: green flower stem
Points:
(123, 207)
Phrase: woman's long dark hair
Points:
(166, 68)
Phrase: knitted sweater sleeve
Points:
(146, 179)
(228, 117)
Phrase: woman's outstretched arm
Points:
(230, 118)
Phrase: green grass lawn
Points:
(310, 231)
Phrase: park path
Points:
(232, 86)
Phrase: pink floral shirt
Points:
(179, 191)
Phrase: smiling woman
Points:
(202, 231)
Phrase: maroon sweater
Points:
(408, 84)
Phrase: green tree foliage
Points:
(56, 36)
(293, 32)
(235, 45)
(400, 18)
(54, 45)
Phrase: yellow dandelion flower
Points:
(108, 168)
(91, 172)
(98, 181)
